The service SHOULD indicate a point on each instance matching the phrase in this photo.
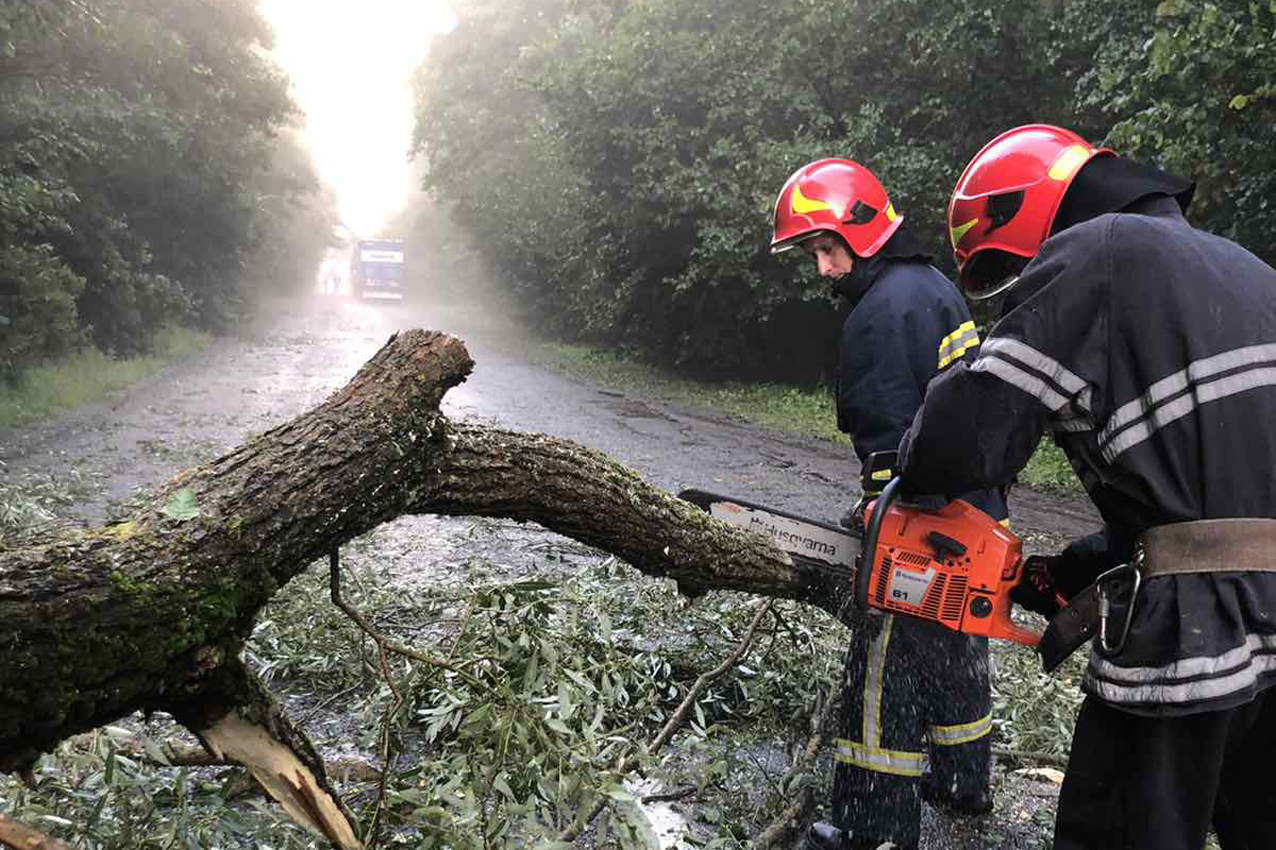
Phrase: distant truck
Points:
(378, 269)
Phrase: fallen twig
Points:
(321, 706)
(795, 811)
(176, 754)
(670, 797)
(334, 562)
(1028, 756)
(385, 643)
(627, 763)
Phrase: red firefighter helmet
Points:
(838, 196)
(1006, 201)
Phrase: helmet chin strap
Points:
(1004, 286)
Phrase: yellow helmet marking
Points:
(1067, 162)
(890, 211)
(802, 205)
(956, 233)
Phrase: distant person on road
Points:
(915, 692)
(1147, 349)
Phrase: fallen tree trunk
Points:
(151, 614)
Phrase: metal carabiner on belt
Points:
(1105, 602)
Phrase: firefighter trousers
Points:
(916, 694)
(1157, 783)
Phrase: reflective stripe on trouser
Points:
(915, 695)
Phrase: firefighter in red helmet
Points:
(915, 693)
(1147, 349)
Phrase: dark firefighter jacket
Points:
(1148, 350)
(910, 324)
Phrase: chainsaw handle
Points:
(869, 548)
(1003, 625)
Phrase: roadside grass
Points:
(808, 413)
(88, 376)
(1049, 469)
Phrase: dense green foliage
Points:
(142, 178)
(615, 161)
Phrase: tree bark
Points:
(151, 614)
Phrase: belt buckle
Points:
(1105, 602)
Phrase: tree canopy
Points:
(142, 171)
(615, 161)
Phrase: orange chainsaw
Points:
(954, 566)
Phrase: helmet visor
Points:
(989, 273)
(783, 245)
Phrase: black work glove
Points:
(1037, 590)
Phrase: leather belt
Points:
(1241, 545)
(1232, 545)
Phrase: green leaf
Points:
(1239, 102)
(643, 828)
(565, 706)
(620, 795)
(182, 505)
(501, 785)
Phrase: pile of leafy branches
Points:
(30, 505)
(523, 716)
(545, 696)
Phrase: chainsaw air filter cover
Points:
(954, 566)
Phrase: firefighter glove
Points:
(1037, 590)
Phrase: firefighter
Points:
(1147, 349)
(914, 692)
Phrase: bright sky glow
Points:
(350, 64)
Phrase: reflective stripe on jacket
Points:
(910, 325)
(1147, 349)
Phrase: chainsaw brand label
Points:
(791, 535)
(908, 586)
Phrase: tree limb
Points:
(153, 613)
(679, 716)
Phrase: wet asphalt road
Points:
(192, 412)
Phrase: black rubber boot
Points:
(970, 804)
